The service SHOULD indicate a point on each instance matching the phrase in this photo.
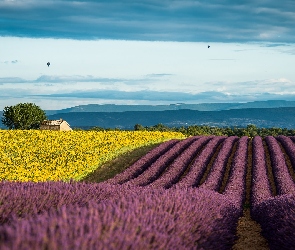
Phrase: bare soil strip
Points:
(248, 230)
(269, 170)
(228, 168)
(249, 175)
(209, 166)
(189, 166)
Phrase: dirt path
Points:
(248, 232)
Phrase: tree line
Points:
(194, 130)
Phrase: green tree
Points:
(138, 127)
(161, 127)
(97, 128)
(23, 116)
(251, 130)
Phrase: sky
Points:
(145, 52)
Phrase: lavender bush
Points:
(153, 172)
(180, 164)
(198, 166)
(215, 176)
(139, 166)
(276, 217)
(25, 198)
(284, 182)
(236, 185)
(289, 147)
(139, 218)
(261, 189)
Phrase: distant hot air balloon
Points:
(48, 64)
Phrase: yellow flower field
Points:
(34, 155)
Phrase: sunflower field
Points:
(35, 155)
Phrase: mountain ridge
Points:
(261, 117)
(272, 114)
(177, 106)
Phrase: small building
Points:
(59, 125)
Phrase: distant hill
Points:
(1, 125)
(262, 114)
(178, 106)
(261, 117)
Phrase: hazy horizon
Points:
(145, 52)
(172, 104)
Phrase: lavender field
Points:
(183, 194)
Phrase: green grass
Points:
(118, 165)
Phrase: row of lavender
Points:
(275, 213)
(273, 210)
(104, 216)
(184, 164)
(155, 203)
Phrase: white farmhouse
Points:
(60, 125)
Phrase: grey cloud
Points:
(158, 75)
(13, 61)
(156, 96)
(77, 78)
(139, 95)
(61, 79)
(12, 80)
(222, 59)
(191, 20)
(274, 44)
(71, 79)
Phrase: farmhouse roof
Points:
(53, 122)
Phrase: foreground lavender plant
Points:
(236, 185)
(162, 163)
(198, 166)
(284, 182)
(156, 169)
(276, 216)
(142, 218)
(215, 176)
(261, 189)
(25, 198)
(180, 164)
(289, 146)
(139, 166)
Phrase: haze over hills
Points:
(262, 114)
(177, 106)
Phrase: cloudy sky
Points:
(145, 51)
